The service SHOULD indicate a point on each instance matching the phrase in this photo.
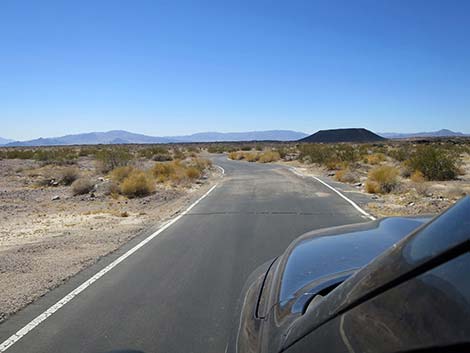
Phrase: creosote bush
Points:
(82, 186)
(382, 180)
(113, 157)
(434, 163)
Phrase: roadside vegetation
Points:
(131, 171)
(423, 175)
(64, 207)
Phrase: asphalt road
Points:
(177, 293)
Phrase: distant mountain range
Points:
(439, 133)
(124, 137)
(4, 141)
(343, 135)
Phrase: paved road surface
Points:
(177, 293)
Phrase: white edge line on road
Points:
(35, 322)
(221, 169)
(336, 191)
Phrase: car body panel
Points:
(329, 279)
(431, 310)
(271, 301)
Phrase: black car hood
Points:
(319, 258)
(279, 292)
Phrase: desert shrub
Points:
(56, 155)
(201, 164)
(68, 175)
(316, 153)
(120, 173)
(245, 148)
(18, 154)
(250, 156)
(163, 171)
(269, 156)
(137, 184)
(400, 154)
(375, 158)
(382, 180)
(345, 176)
(323, 154)
(162, 157)
(193, 173)
(82, 186)
(346, 153)
(193, 149)
(434, 163)
(417, 177)
(112, 158)
(178, 153)
(218, 148)
(151, 152)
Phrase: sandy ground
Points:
(425, 198)
(47, 235)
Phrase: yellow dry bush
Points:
(233, 155)
(382, 180)
(250, 156)
(137, 184)
(417, 177)
(120, 173)
(162, 171)
(269, 156)
(345, 175)
(193, 173)
(375, 158)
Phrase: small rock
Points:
(375, 197)
(100, 179)
(56, 197)
(331, 174)
(358, 185)
(411, 204)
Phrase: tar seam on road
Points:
(336, 191)
(39, 319)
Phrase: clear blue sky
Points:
(177, 67)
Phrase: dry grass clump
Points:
(382, 180)
(68, 175)
(137, 184)
(262, 157)
(417, 177)
(269, 156)
(82, 186)
(375, 158)
(346, 176)
(178, 171)
(193, 173)
(250, 156)
(121, 173)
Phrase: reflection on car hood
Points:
(341, 250)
